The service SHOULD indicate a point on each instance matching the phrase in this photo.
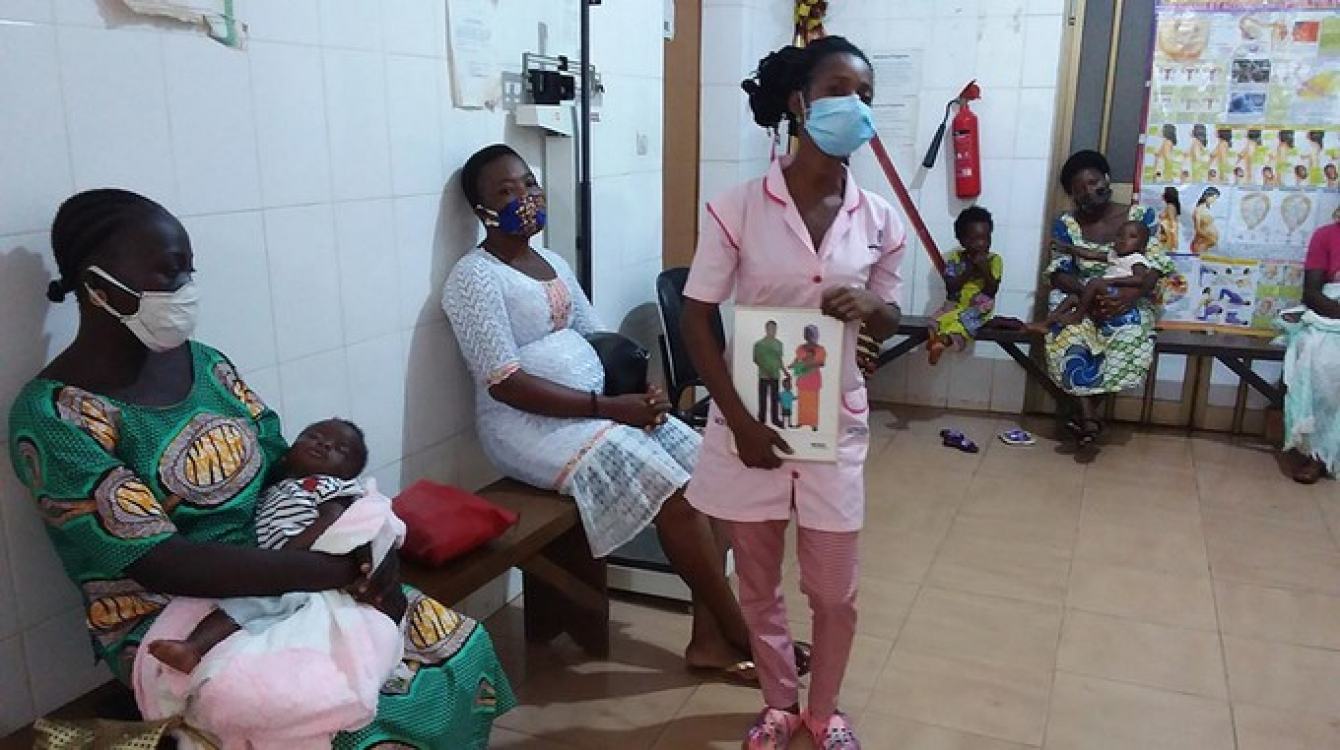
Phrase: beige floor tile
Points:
(1041, 459)
(1330, 510)
(1029, 509)
(1265, 564)
(715, 717)
(1002, 567)
(599, 705)
(906, 511)
(1183, 661)
(1139, 478)
(1274, 497)
(881, 732)
(1088, 713)
(1283, 676)
(1140, 452)
(1261, 728)
(1279, 615)
(1006, 703)
(1246, 455)
(1174, 549)
(1142, 595)
(506, 739)
(896, 556)
(1242, 528)
(1103, 495)
(988, 629)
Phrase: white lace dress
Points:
(507, 321)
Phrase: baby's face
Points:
(976, 238)
(1131, 238)
(331, 447)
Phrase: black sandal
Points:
(1090, 429)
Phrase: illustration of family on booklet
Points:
(778, 362)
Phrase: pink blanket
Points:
(300, 681)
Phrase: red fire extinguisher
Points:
(967, 153)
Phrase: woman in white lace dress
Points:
(521, 320)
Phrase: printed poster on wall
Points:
(1241, 152)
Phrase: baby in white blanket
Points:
(319, 485)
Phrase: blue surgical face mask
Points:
(839, 124)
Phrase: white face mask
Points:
(164, 320)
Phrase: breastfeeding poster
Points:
(1241, 153)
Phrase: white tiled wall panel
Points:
(316, 173)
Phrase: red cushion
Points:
(443, 522)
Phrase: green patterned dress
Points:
(112, 480)
(1088, 358)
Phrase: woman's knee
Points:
(676, 511)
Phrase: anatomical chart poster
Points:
(1241, 152)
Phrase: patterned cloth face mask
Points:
(521, 216)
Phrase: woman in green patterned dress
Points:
(146, 453)
(1092, 360)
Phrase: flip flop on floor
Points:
(956, 439)
(742, 672)
(1017, 437)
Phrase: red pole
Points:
(909, 208)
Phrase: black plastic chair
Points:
(680, 375)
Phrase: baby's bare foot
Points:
(179, 655)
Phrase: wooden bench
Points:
(1236, 352)
(565, 588)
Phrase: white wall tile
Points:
(213, 127)
(1034, 128)
(354, 24)
(100, 14)
(9, 603)
(369, 278)
(34, 151)
(377, 395)
(35, 11)
(412, 86)
(725, 30)
(288, 93)
(117, 111)
(1029, 194)
(414, 27)
(236, 315)
(304, 280)
(314, 388)
(292, 21)
(1008, 384)
(927, 385)
(1042, 38)
(970, 379)
(1004, 8)
(949, 62)
(724, 115)
(16, 700)
(60, 661)
(1046, 7)
(421, 265)
(40, 585)
(439, 392)
(34, 329)
(356, 115)
(998, 118)
(1000, 53)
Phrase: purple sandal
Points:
(956, 439)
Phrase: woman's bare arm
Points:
(1315, 298)
(210, 570)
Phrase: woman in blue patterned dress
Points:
(1091, 360)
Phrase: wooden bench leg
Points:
(567, 592)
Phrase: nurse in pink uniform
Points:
(803, 236)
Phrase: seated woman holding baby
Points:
(1102, 342)
(147, 454)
